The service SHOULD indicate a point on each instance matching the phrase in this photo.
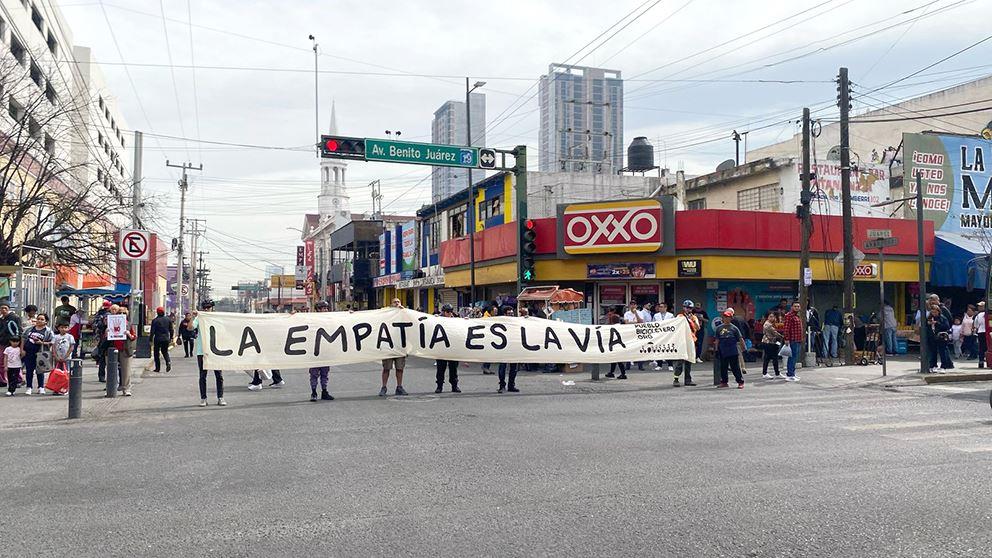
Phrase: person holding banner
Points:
(319, 372)
(207, 306)
(389, 363)
(689, 315)
(450, 365)
(512, 385)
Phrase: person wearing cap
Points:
(793, 332)
(161, 334)
(207, 306)
(685, 366)
(450, 365)
(728, 345)
(390, 363)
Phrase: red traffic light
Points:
(529, 223)
(342, 147)
(331, 145)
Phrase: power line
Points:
(192, 60)
(175, 87)
(925, 68)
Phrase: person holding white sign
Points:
(450, 365)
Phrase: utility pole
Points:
(844, 100)
(471, 188)
(194, 277)
(924, 357)
(806, 228)
(520, 189)
(183, 186)
(137, 316)
(737, 147)
(316, 97)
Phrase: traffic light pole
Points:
(520, 176)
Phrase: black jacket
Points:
(161, 329)
(10, 327)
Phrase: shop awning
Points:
(954, 255)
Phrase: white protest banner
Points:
(116, 327)
(248, 341)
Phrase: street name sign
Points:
(880, 243)
(879, 233)
(422, 153)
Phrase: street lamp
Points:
(471, 187)
(316, 97)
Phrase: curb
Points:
(947, 378)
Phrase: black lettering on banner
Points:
(366, 330)
(498, 330)
(245, 343)
(402, 327)
(291, 340)
(384, 336)
(523, 341)
(423, 332)
(472, 335)
(615, 339)
(583, 344)
(599, 340)
(551, 337)
(323, 336)
(438, 336)
(213, 344)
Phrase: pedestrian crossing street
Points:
(964, 425)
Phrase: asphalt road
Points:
(606, 469)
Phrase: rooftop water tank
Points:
(640, 155)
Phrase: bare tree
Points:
(57, 188)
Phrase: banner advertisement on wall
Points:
(408, 237)
(956, 179)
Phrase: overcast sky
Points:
(250, 196)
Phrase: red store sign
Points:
(610, 227)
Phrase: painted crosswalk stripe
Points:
(909, 424)
(824, 401)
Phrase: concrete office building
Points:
(581, 120)
(448, 128)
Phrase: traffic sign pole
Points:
(880, 240)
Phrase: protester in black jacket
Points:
(162, 333)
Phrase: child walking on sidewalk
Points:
(13, 355)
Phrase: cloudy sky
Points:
(238, 72)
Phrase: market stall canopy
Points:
(552, 294)
(119, 290)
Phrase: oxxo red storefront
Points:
(643, 250)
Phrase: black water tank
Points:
(640, 155)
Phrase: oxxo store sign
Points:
(612, 227)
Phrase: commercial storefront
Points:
(717, 258)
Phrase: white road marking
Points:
(825, 401)
(909, 424)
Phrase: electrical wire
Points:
(175, 87)
(192, 61)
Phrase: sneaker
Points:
(221, 402)
(401, 391)
(740, 385)
(382, 391)
(41, 391)
(723, 385)
(454, 389)
(278, 384)
(657, 368)
(168, 368)
(203, 402)
(513, 389)
(324, 396)
(313, 395)
(8, 394)
(671, 368)
(766, 376)
(690, 383)
(611, 375)
(28, 392)
(127, 393)
(792, 378)
(255, 387)
(500, 390)
(940, 371)
(676, 383)
(622, 377)
(699, 361)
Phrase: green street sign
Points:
(421, 153)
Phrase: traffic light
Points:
(528, 248)
(340, 147)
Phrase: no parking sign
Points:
(134, 245)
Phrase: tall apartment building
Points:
(58, 90)
(581, 120)
(448, 128)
